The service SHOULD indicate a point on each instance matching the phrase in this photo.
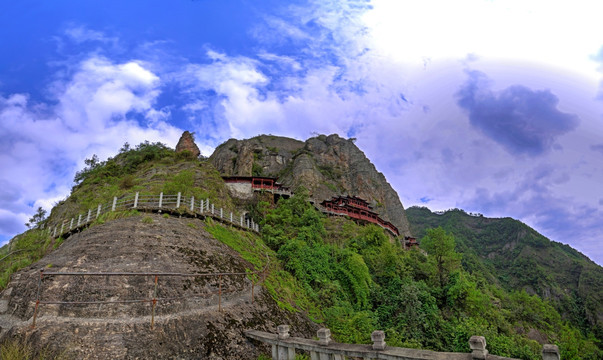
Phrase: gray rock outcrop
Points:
(326, 165)
(187, 143)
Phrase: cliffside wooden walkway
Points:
(329, 212)
(176, 204)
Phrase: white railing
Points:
(162, 202)
(285, 347)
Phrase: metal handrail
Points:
(152, 300)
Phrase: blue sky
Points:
(492, 106)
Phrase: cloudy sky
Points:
(491, 106)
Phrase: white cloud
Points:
(566, 34)
(43, 145)
(80, 34)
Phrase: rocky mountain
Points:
(319, 269)
(326, 165)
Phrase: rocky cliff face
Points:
(188, 323)
(326, 165)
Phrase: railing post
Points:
(98, 210)
(201, 206)
(61, 232)
(324, 339)
(114, 203)
(219, 292)
(378, 338)
(550, 352)
(282, 352)
(192, 203)
(160, 199)
(79, 219)
(241, 220)
(178, 201)
(478, 347)
(89, 214)
(212, 209)
(206, 204)
(33, 324)
(248, 223)
(324, 336)
(231, 216)
(54, 234)
(136, 200)
(154, 302)
(221, 213)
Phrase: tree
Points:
(440, 247)
(37, 219)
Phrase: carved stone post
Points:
(283, 352)
(378, 338)
(283, 332)
(478, 347)
(550, 352)
(324, 336)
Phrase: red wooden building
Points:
(410, 242)
(257, 182)
(358, 209)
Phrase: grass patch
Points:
(20, 350)
(280, 284)
(147, 220)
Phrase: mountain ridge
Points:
(508, 248)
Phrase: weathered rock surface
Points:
(326, 165)
(187, 143)
(188, 325)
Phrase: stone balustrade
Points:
(285, 347)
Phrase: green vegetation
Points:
(474, 276)
(12, 349)
(256, 169)
(280, 284)
(329, 171)
(26, 249)
(514, 260)
(37, 219)
(359, 281)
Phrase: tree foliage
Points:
(37, 218)
(364, 281)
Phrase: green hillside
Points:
(473, 275)
(515, 256)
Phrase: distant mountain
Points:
(516, 256)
